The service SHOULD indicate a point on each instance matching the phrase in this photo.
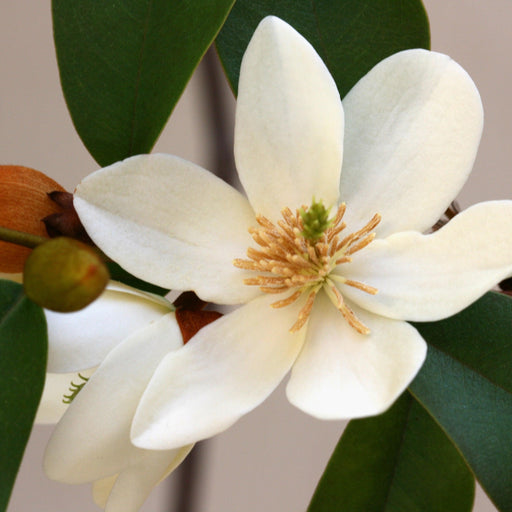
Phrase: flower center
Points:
(299, 254)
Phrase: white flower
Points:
(407, 135)
(117, 341)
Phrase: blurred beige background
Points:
(271, 460)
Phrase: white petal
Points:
(430, 277)
(133, 485)
(171, 223)
(82, 339)
(413, 126)
(117, 286)
(289, 122)
(342, 374)
(92, 439)
(228, 368)
(101, 490)
(51, 407)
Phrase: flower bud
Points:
(64, 275)
(23, 203)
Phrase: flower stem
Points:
(190, 472)
(21, 238)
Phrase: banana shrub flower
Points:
(115, 343)
(325, 254)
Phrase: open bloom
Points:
(116, 343)
(325, 254)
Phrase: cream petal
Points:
(228, 368)
(82, 339)
(413, 126)
(56, 385)
(289, 122)
(92, 440)
(133, 484)
(171, 223)
(117, 286)
(430, 277)
(101, 490)
(343, 374)
(51, 407)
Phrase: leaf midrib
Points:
(398, 454)
(139, 76)
(12, 308)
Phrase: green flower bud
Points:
(64, 275)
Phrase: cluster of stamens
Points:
(287, 260)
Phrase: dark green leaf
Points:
(351, 36)
(119, 274)
(123, 66)
(466, 385)
(23, 346)
(398, 461)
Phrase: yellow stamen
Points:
(304, 313)
(286, 260)
(286, 302)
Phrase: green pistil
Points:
(74, 389)
(315, 221)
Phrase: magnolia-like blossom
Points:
(325, 254)
(115, 343)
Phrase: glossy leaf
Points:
(123, 66)
(400, 460)
(23, 347)
(466, 385)
(351, 36)
(118, 273)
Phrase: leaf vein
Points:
(139, 75)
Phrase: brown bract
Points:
(23, 203)
(191, 321)
(66, 222)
